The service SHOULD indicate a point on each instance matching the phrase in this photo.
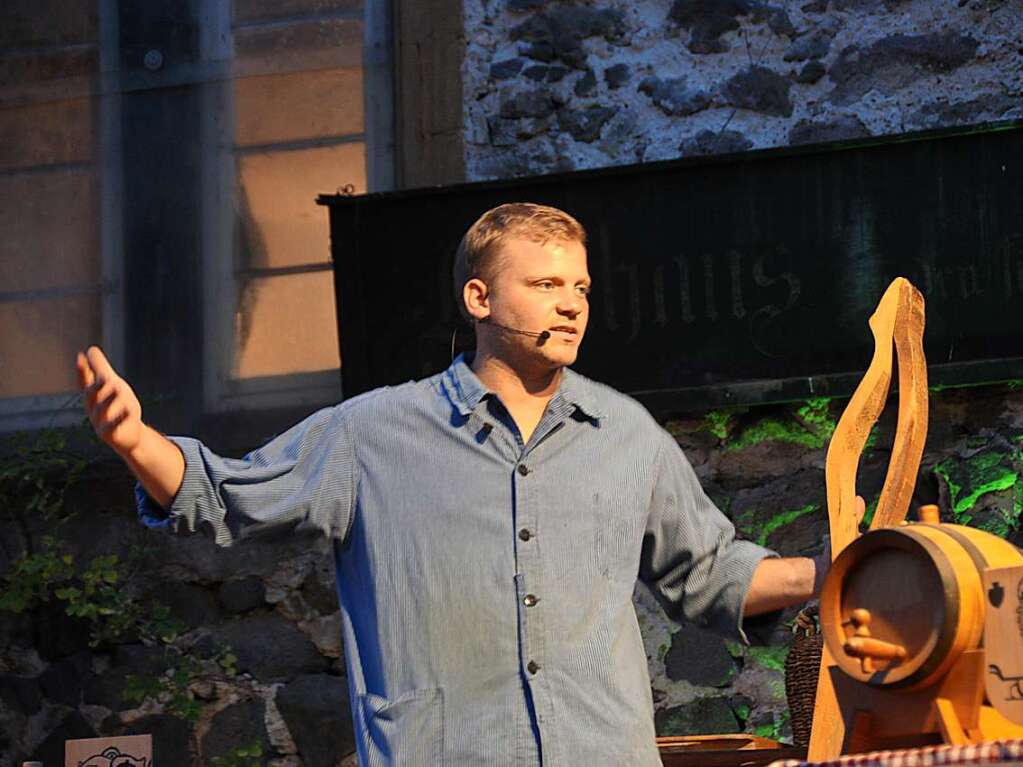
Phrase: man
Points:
(488, 525)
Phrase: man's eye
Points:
(583, 290)
(546, 285)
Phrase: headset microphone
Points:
(540, 337)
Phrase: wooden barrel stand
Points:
(903, 614)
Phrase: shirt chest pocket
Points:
(406, 731)
(595, 533)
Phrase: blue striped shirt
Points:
(486, 584)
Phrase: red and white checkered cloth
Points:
(993, 752)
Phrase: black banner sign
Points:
(737, 279)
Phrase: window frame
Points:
(223, 279)
(42, 411)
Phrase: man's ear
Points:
(476, 295)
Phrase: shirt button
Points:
(524, 534)
(523, 469)
(529, 600)
(532, 667)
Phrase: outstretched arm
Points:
(783, 582)
(116, 417)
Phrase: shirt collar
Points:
(466, 391)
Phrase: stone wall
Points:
(271, 605)
(559, 86)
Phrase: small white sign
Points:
(124, 751)
(1003, 640)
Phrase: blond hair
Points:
(477, 254)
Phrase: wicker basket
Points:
(802, 666)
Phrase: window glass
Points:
(38, 340)
(51, 291)
(50, 233)
(281, 224)
(298, 132)
(286, 324)
(298, 106)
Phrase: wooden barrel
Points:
(901, 604)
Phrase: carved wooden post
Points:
(899, 318)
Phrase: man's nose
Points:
(570, 304)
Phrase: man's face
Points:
(539, 287)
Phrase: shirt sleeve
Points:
(302, 481)
(691, 559)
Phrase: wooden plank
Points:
(698, 306)
(430, 45)
(727, 750)
(898, 319)
(858, 419)
(911, 432)
(828, 733)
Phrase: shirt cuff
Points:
(151, 514)
(182, 508)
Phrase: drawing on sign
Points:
(1015, 691)
(996, 594)
(1019, 607)
(112, 757)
